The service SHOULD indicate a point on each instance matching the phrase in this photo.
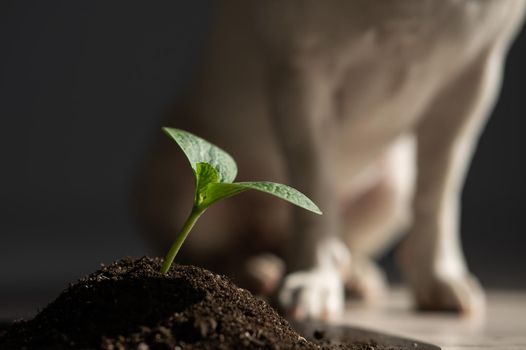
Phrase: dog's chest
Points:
(389, 59)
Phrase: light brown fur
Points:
(373, 109)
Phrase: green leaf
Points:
(285, 192)
(198, 150)
(217, 191)
(205, 174)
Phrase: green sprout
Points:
(215, 171)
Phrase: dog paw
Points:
(438, 276)
(312, 294)
(451, 293)
(263, 273)
(366, 281)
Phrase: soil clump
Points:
(130, 305)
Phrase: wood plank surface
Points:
(502, 327)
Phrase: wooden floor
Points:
(503, 327)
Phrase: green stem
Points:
(187, 227)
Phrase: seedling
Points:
(215, 172)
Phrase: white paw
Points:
(313, 294)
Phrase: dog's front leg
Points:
(431, 256)
(301, 105)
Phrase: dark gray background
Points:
(83, 88)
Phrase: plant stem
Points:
(174, 249)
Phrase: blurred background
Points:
(84, 87)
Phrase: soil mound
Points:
(130, 305)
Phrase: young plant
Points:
(215, 171)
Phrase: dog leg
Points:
(301, 102)
(431, 257)
(375, 218)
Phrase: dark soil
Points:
(130, 305)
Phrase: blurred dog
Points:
(371, 108)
